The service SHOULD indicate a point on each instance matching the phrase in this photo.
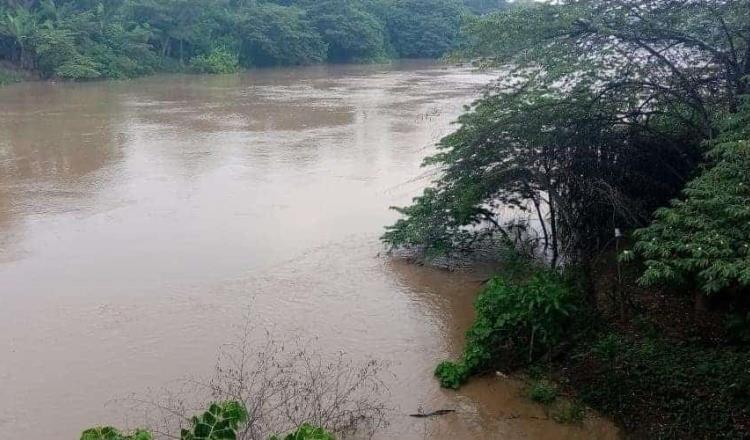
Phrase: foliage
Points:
(424, 28)
(350, 31)
(516, 322)
(277, 35)
(127, 38)
(566, 163)
(703, 238)
(543, 391)
(218, 61)
(220, 422)
(485, 6)
(599, 99)
(109, 433)
(662, 389)
(307, 432)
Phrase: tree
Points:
(424, 28)
(277, 35)
(20, 25)
(598, 121)
(350, 31)
(703, 238)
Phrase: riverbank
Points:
(656, 366)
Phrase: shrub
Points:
(78, 69)
(220, 422)
(110, 433)
(451, 374)
(516, 322)
(218, 61)
(543, 391)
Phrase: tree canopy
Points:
(126, 38)
(602, 115)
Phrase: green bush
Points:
(220, 422)
(110, 433)
(78, 69)
(218, 61)
(516, 322)
(451, 374)
(543, 391)
(307, 432)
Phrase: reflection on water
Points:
(141, 221)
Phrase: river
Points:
(141, 222)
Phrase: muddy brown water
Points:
(141, 221)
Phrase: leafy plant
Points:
(220, 422)
(516, 322)
(218, 61)
(110, 433)
(451, 374)
(543, 391)
(704, 237)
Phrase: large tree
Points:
(598, 118)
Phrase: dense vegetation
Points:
(90, 39)
(619, 138)
(517, 322)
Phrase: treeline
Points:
(87, 39)
(619, 136)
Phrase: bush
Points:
(110, 433)
(516, 322)
(78, 69)
(543, 391)
(218, 61)
(220, 422)
(451, 374)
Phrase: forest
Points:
(619, 137)
(90, 39)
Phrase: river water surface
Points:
(142, 221)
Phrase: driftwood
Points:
(440, 412)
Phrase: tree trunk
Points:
(553, 231)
